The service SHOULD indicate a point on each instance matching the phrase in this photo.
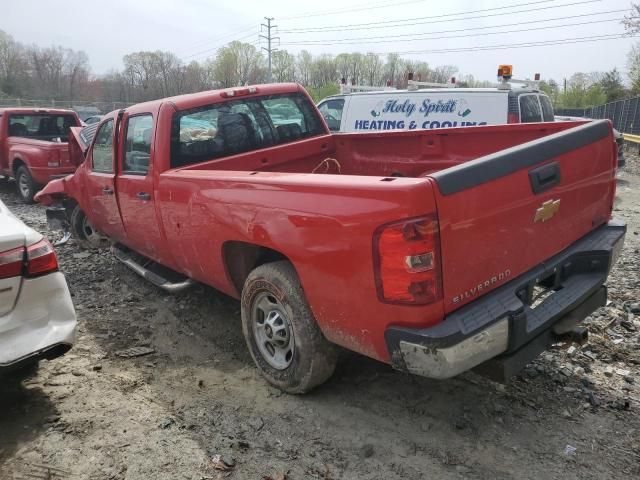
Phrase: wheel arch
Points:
(240, 258)
(16, 163)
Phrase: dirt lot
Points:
(169, 414)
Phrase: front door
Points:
(135, 186)
(102, 208)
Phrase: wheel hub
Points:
(272, 331)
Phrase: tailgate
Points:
(505, 213)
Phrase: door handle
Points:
(144, 196)
(107, 191)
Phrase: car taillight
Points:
(11, 262)
(41, 259)
(54, 158)
(513, 118)
(407, 261)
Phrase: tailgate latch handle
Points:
(544, 177)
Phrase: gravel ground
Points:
(196, 408)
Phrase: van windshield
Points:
(547, 109)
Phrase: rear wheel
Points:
(283, 337)
(27, 188)
(83, 231)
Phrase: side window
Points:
(102, 160)
(331, 110)
(138, 144)
(547, 109)
(530, 109)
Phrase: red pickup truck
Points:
(33, 146)
(436, 251)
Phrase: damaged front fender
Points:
(55, 191)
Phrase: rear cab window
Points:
(237, 126)
(331, 111)
(40, 126)
(530, 108)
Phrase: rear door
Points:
(100, 182)
(135, 184)
(505, 213)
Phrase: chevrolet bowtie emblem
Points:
(547, 210)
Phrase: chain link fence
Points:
(91, 108)
(625, 114)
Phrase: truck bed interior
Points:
(387, 154)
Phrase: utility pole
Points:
(269, 39)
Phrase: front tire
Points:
(27, 188)
(83, 231)
(283, 337)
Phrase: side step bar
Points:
(153, 277)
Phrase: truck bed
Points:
(386, 154)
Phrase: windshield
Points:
(41, 126)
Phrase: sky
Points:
(476, 36)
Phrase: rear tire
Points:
(85, 235)
(27, 188)
(283, 337)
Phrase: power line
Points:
(368, 6)
(461, 36)
(414, 35)
(252, 34)
(542, 43)
(218, 38)
(387, 23)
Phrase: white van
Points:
(434, 108)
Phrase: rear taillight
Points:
(513, 118)
(54, 158)
(41, 259)
(11, 263)
(407, 261)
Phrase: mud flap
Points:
(57, 218)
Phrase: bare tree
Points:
(632, 22)
(304, 64)
(284, 66)
(372, 69)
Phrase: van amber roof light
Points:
(505, 71)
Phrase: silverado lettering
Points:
(367, 241)
(479, 287)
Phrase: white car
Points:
(37, 318)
